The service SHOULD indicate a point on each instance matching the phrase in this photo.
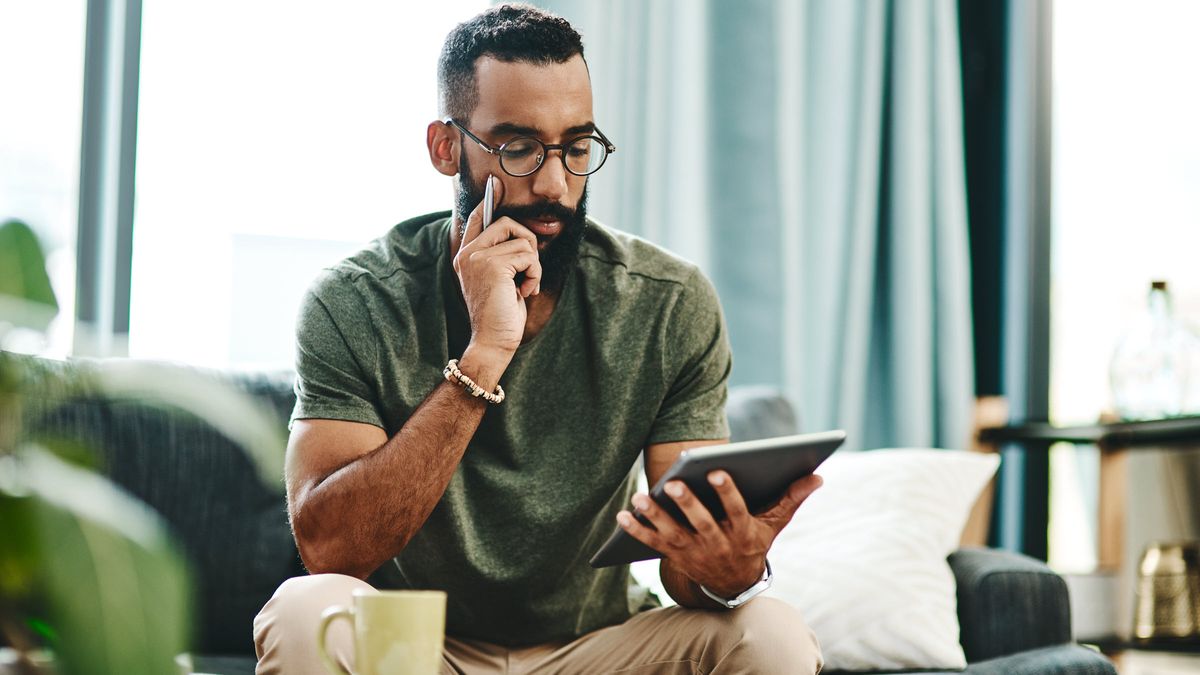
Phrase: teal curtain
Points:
(808, 155)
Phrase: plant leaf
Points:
(18, 537)
(116, 590)
(26, 297)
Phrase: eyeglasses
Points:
(523, 155)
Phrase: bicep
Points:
(319, 447)
(660, 456)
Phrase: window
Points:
(1126, 210)
(41, 45)
(274, 138)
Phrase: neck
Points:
(537, 313)
(455, 235)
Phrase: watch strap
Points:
(742, 598)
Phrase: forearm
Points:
(364, 513)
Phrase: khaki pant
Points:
(762, 637)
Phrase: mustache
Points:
(533, 211)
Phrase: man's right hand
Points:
(487, 265)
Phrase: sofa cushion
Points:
(759, 411)
(865, 558)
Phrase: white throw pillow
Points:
(864, 559)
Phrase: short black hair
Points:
(509, 32)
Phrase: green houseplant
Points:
(89, 575)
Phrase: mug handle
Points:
(330, 615)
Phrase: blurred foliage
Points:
(98, 564)
(26, 297)
(86, 570)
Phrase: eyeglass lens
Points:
(522, 156)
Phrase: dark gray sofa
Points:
(1013, 610)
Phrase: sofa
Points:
(1013, 610)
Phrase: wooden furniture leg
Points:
(1114, 486)
(990, 411)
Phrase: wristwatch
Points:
(742, 598)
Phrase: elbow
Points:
(332, 539)
(321, 550)
(315, 550)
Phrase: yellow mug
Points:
(395, 632)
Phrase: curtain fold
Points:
(808, 155)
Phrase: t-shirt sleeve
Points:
(700, 358)
(335, 353)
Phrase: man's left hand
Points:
(726, 557)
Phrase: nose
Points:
(550, 181)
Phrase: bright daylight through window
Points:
(274, 138)
(1126, 211)
(39, 142)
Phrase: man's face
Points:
(552, 103)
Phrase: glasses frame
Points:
(546, 148)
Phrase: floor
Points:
(1157, 663)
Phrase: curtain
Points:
(808, 155)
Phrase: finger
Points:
(797, 492)
(639, 531)
(508, 265)
(670, 532)
(695, 510)
(731, 499)
(475, 219)
(510, 247)
(532, 285)
(501, 230)
(518, 252)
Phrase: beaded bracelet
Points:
(455, 376)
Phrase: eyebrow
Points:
(511, 129)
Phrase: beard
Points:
(561, 254)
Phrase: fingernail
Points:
(623, 518)
(640, 501)
(538, 290)
(674, 489)
(717, 478)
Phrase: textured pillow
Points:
(864, 558)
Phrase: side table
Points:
(1118, 443)
(1114, 440)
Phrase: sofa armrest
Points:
(1008, 603)
(1059, 660)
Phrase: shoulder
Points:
(610, 252)
(394, 262)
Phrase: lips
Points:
(543, 228)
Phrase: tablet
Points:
(761, 470)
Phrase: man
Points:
(496, 475)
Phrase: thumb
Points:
(796, 495)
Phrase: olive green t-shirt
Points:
(634, 353)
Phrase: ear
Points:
(442, 141)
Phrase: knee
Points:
(302, 599)
(767, 635)
(316, 591)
